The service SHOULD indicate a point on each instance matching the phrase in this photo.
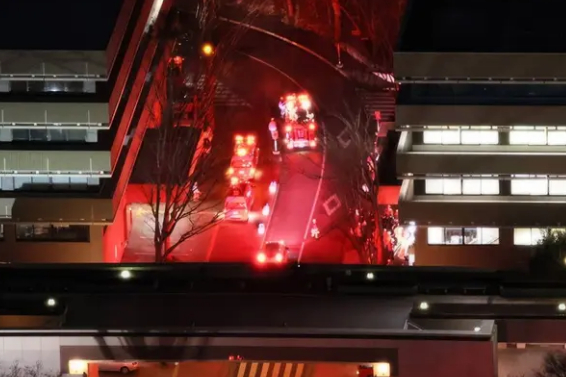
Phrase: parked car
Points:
(123, 367)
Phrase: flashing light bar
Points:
(250, 139)
(239, 138)
(312, 127)
(241, 152)
(288, 129)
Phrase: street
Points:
(304, 193)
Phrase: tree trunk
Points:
(159, 249)
(291, 12)
(337, 21)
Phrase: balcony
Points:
(484, 210)
(418, 160)
(520, 66)
(500, 115)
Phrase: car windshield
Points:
(235, 204)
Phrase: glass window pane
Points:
(452, 187)
(529, 186)
(557, 187)
(522, 236)
(489, 236)
(536, 235)
(556, 137)
(22, 183)
(57, 135)
(451, 137)
(7, 183)
(527, 137)
(76, 135)
(471, 186)
(60, 182)
(20, 135)
(435, 236)
(472, 236)
(54, 86)
(489, 137)
(432, 137)
(79, 181)
(38, 135)
(453, 236)
(539, 186)
(434, 186)
(490, 187)
(471, 137)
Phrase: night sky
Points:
(57, 24)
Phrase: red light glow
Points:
(242, 152)
(312, 127)
(288, 129)
(279, 258)
(261, 258)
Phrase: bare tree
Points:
(353, 174)
(185, 171)
(16, 369)
(553, 365)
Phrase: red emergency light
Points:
(241, 152)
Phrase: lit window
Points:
(530, 137)
(480, 137)
(382, 370)
(452, 187)
(481, 236)
(441, 137)
(527, 236)
(435, 236)
(453, 236)
(529, 185)
(443, 186)
(557, 187)
(556, 137)
(480, 186)
(434, 186)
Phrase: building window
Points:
(50, 232)
(481, 236)
(2, 232)
(527, 135)
(457, 136)
(462, 236)
(557, 187)
(458, 186)
(45, 182)
(527, 236)
(55, 135)
(529, 185)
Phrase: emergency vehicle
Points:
(238, 203)
(244, 161)
(299, 123)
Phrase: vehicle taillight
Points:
(312, 127)
(279, 258)
(261, 258)
(288, 129)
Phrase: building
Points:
(483, 129)
(68, 140)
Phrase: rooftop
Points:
(484, 26)
(58, 24)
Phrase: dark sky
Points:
(57, 24)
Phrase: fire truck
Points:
(244, 161)
(300, 125)
(239, 202)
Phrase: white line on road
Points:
(315, 202)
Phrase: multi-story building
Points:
(483, 130)
(68, 138)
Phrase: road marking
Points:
(336, 204)
(315, 202)
(260, 369)
(215, 231)
(345, 143)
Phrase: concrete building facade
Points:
(483, 136)
(68, 138)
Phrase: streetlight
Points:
(50, 302)
(207, 49)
